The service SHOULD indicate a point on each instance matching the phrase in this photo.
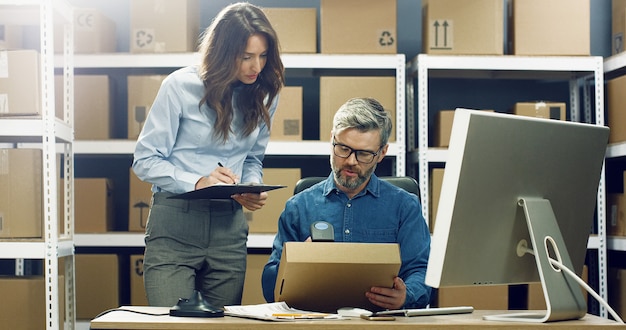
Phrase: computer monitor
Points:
(506, 177)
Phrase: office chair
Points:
(405, 182)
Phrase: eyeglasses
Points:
(362, 156)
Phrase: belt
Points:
(161, 198)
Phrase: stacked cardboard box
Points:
(265, 220)
(141, 93)
(296, 28)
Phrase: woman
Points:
(209, 124)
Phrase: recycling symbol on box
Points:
(143, 38)
(386, 39)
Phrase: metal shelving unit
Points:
(616, 66)
(580, 71)
(397, 149)
(52, 136)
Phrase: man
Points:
(360, 206)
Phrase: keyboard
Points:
(428, 311)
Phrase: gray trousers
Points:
(197, 244)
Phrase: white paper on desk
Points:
(266, 312)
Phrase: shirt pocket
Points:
(377, 235)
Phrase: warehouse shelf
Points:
(616, 150)
(53, 136)
(274, 148)
(579, 71)
(130, 239)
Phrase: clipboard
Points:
(224, 191)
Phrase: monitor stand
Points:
(564, 298)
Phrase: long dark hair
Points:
(221, 48)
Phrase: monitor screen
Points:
(505, 174)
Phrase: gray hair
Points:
(363, 114)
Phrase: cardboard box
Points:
(617, 294)
(443, 128)
(335, 91)
(24, 303)
(10, 36)
(296, 28)
(252, 290)
(287, 124)
(486, 297)
(92, 106)
(616, 115)
(159, 26)
(21, 195)
(358, 27)
(93, 33)
(140, 197)
(265, 220)
(20, 83)
(93, 205)
(616, 214)
(97, 284)
(618, 28)
(141, 93)
(436, 180)
(463, 27)
(325, 276)
(137, 290)
(540, 109)
(550, 27)
(536, 299)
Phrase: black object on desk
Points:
(196, 306)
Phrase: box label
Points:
(143, 39)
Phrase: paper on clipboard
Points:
(224, 191)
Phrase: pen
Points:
(220, 164)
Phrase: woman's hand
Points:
(221, 175)
(251, 201)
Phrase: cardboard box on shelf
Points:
(540, 109)
(97, 284)
(265, 220)
(164, 26)
(296, 28)
(616, 115)
(463, 27)
(20, 83)
(24, 303)
(287, 124)
(137, 290)
(92, 106)
(10, 36)
(436, 180)
(21, 195)
(491, 297)
(550, 27)
(94, 32)
(140, 197)
(252, 290)
(142, 89)
(618, 27)
(335, 91)
(93, 205)
(443, 128)
(617, 294)
(616, 214)
(342, 28)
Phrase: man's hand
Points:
(388, 298)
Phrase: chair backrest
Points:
(405, 182)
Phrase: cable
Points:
(128, 310)
(583, 284)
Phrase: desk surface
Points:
(129, 320)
